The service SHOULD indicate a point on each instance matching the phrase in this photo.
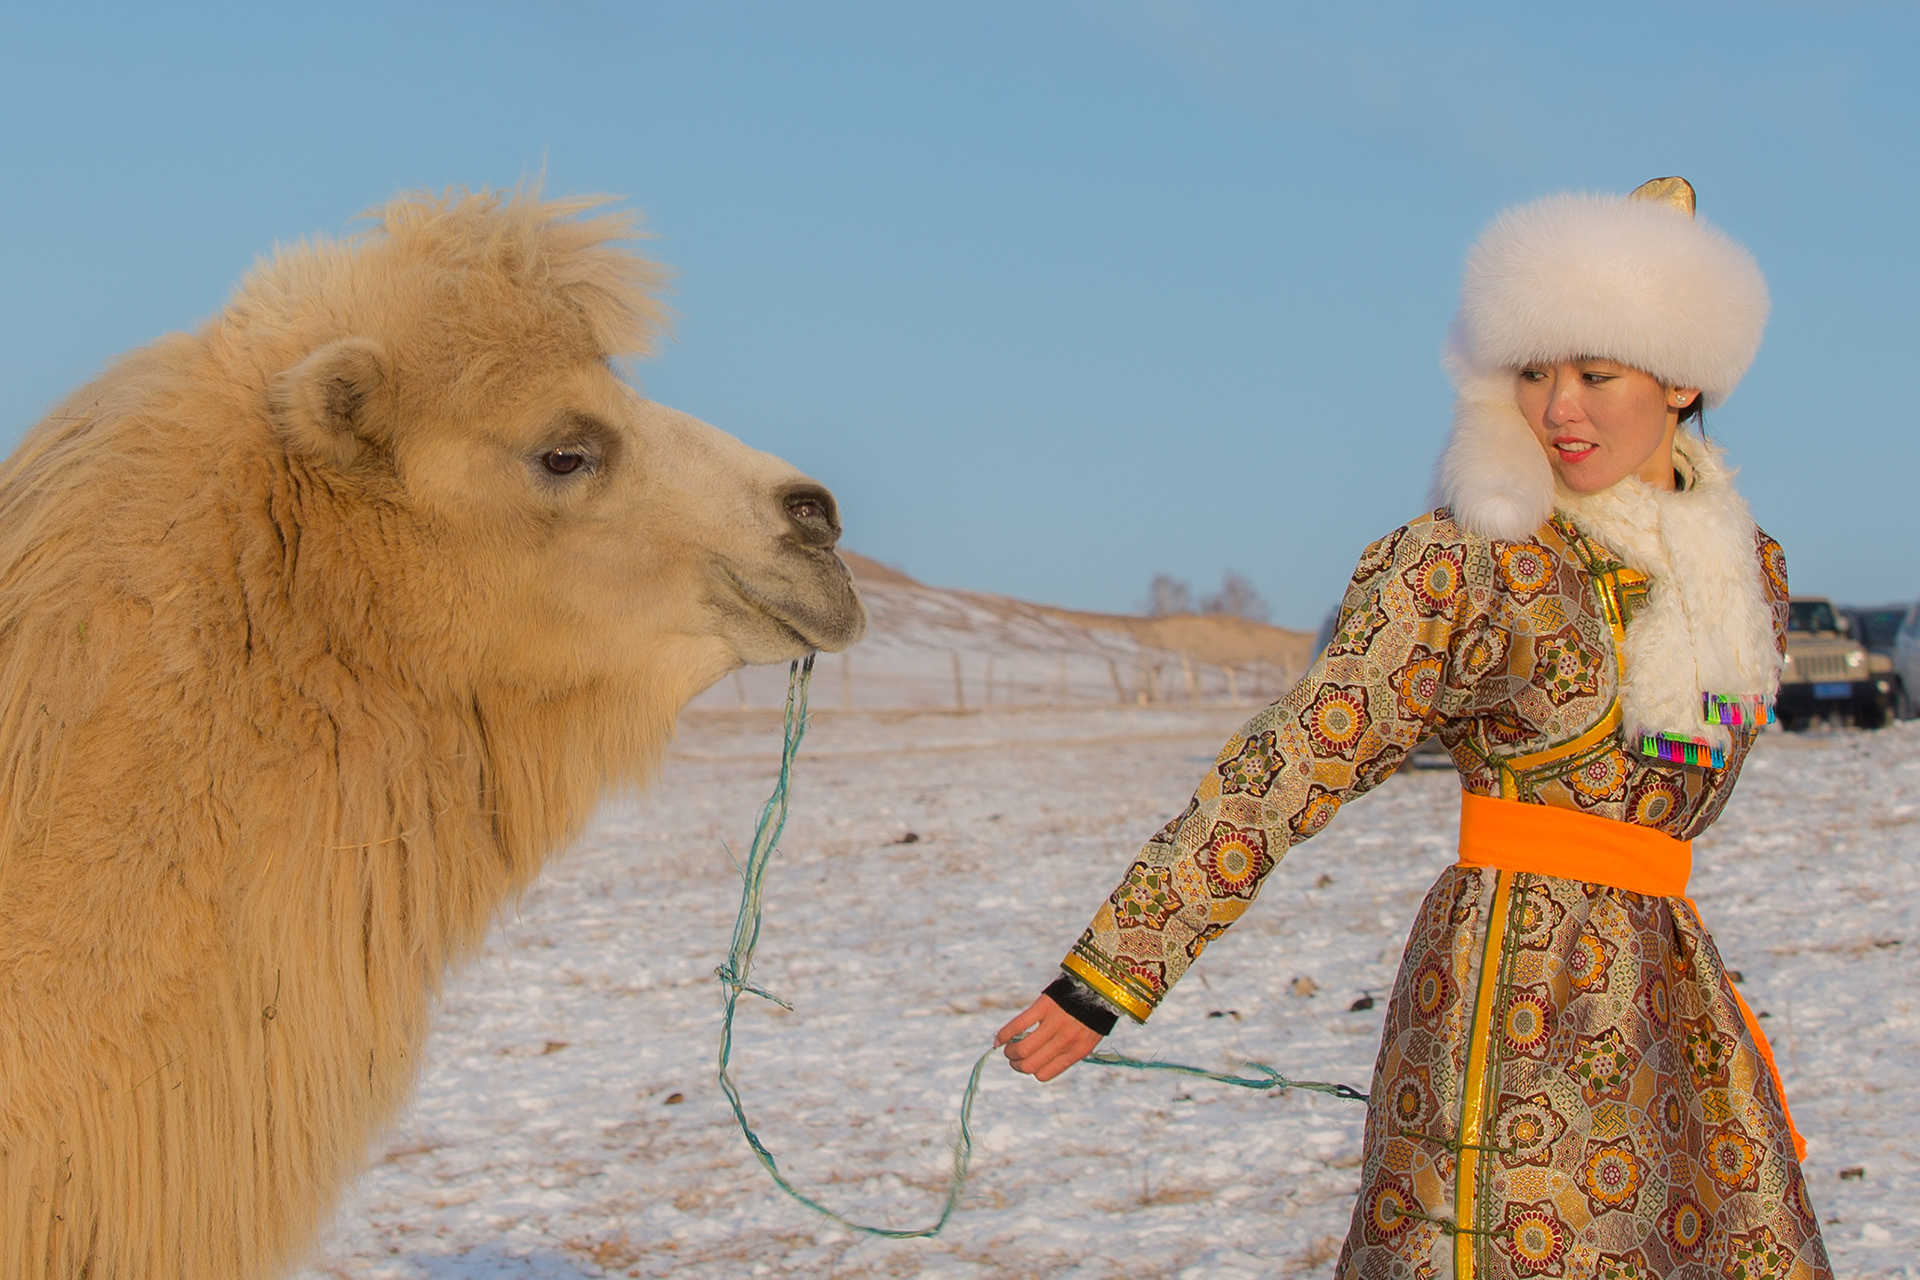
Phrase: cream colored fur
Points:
(1631, 280)
(1493, 472)
(307, 664)
(1707, 626)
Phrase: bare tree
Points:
(1167, 594)
(1236, 598)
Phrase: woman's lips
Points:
(1571, 449)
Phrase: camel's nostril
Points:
(812, 515)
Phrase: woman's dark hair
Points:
(1696, 413)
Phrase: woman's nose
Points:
(1564, 403)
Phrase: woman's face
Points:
(1600, 420)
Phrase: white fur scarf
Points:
(1707, 628)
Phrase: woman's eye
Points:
(562, 462)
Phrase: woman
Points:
(1568, 1084)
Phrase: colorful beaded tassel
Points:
(1734, 710)
(1678, 750)
(1738, 709)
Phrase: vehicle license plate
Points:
(1841, 690)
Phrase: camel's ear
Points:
(335, 403)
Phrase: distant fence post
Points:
(1119, 689)
(959, 694)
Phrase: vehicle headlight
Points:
(1856, 659)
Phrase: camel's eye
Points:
(563, 461)
(574, 448)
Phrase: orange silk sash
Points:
(1543, 840)
(1546, 841)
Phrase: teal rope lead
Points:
(1266, 1079)
(733, 977)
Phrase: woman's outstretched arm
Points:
(1421, 637)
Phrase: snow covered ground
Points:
(568, 1124)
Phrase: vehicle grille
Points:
(1822, 666)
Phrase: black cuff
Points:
(1090, 1010)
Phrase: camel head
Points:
(536, 519)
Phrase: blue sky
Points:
(1054, 295)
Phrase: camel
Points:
(321, 630)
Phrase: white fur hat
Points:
(1638, 280)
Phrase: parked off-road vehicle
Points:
(1829, 673)
(1906, 663)
(1878, 628)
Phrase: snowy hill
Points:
(961, 650)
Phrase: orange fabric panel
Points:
(1548, 841)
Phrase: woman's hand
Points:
(1055, 1040)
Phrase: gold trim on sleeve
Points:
(1089, 972)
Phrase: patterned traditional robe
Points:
(1632, 1128)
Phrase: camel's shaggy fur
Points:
(307, 662)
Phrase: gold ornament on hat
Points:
(1677, 192)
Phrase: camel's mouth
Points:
(787, 613)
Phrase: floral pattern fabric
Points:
(1635, 1129)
